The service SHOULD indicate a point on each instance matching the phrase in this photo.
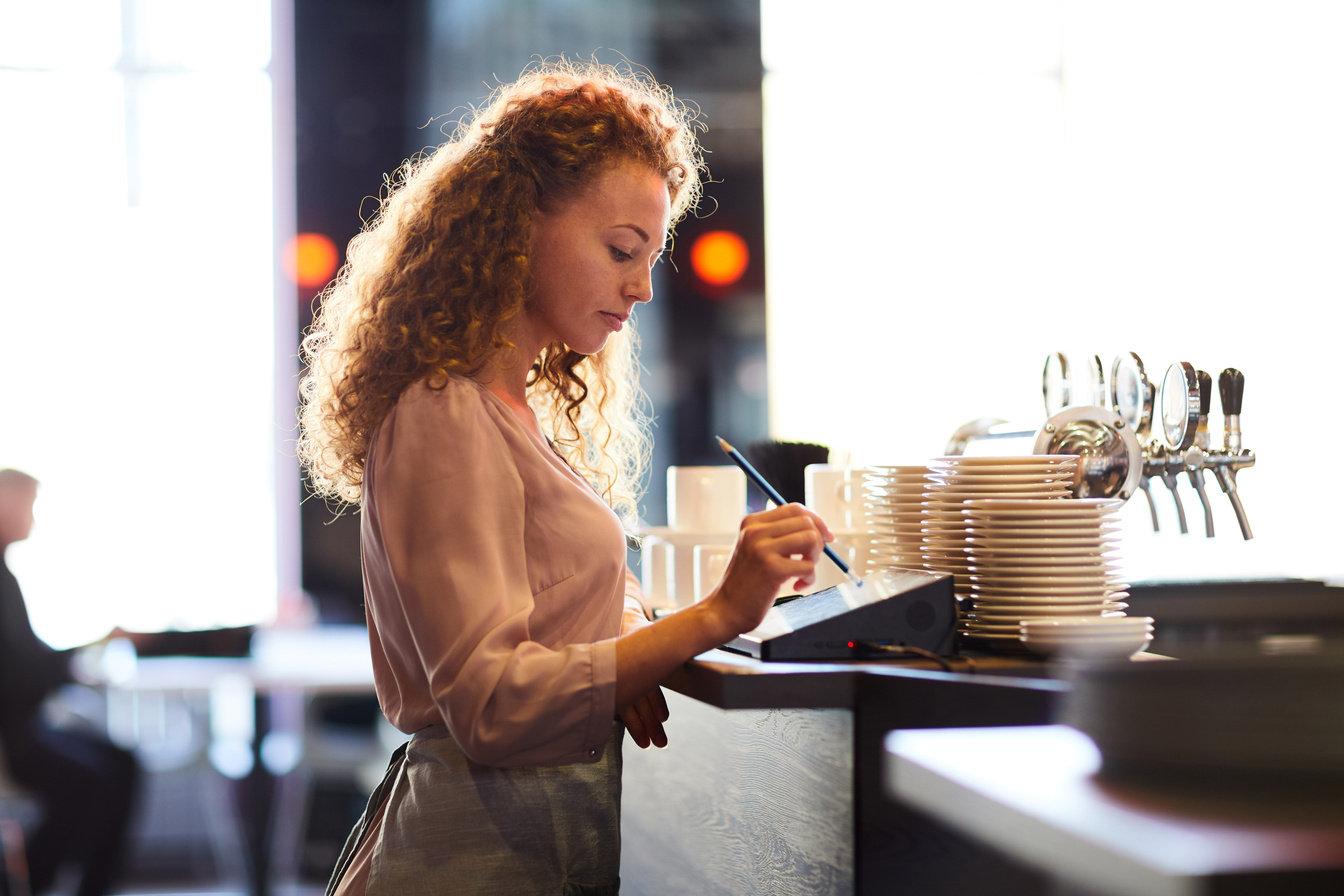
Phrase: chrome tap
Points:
(1196, 454)
(1233, 457)
(1180, 424)
(1109, 430)
(1131, 397)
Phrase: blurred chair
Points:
(17, 810)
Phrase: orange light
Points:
(719, 257)
(310, 260)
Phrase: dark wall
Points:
(371, 76)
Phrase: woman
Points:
(472, 384)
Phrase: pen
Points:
(737, 458)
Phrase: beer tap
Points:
(1180, 423)
(1197, 453)
(1233, 457)
(1132, 398)
(1109, 431)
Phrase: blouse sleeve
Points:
(449, 510)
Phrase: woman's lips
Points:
(615, 321)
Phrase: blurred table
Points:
(246, 742)
(1034, 793)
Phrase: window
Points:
(956, 188)
(138, 312)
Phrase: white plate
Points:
(992, 628)
(1007, 460)
(1025, 542)
(959, 494)
(1115, 649)
(1010, 576)
(1107, 623)
(1076, 505)
(993, 636)
(1010, 474)
(979, 549)
(1065, 510)
(1043, 528)
(1020, 614)
(1093, 588)
(979, 598)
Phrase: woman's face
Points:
(592, 260)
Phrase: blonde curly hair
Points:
(432, 283)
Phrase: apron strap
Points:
(356, 838)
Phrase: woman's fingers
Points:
(774, 547)
(644, 719)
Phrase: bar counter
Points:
(772, 781)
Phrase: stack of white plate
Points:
(952, 481)
(893, 515)
(1039, 558)
(1087, 637)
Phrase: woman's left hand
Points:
(644, 719)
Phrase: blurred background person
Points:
(84, 784)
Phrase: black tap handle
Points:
(1205, 391)
(1231, 382)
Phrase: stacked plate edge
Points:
(952, 481)
(1030, 558)
(893, 515)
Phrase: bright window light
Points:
(956, 189)
(138, 358)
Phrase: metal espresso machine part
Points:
(1111, 431)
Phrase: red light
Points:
(719, 257)
(310, 260)
(851, 645)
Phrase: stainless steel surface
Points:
(1132, 396)
(1056, 388)
(1110, 461)
(1180, 406)
(1132, 393)
(981, 428)
(1117, 457)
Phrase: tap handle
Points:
(1197, 480)
(1152, 505)
(1169, 478)
(1206, 392)
(1227, 479)
(1231, 382)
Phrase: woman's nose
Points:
(641, 290)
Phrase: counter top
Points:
(1035, 793)
(732, 681)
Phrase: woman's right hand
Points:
(773, 547)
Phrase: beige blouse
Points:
(495, 582)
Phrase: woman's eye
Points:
(619, 255)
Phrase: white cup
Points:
(711, 562)
(836, 495)
(655, 572)
(706, 499)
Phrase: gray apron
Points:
(453, 825)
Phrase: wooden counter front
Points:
(772, 779)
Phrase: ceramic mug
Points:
(706, 499)
(655, 572)
(711, 562)
(836, 495)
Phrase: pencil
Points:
(769, 490)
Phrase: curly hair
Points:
(433, 281)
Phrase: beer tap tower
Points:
(1119, 455)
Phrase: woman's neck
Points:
(509, 385)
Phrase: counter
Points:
(1036, 793)
(772, 782)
